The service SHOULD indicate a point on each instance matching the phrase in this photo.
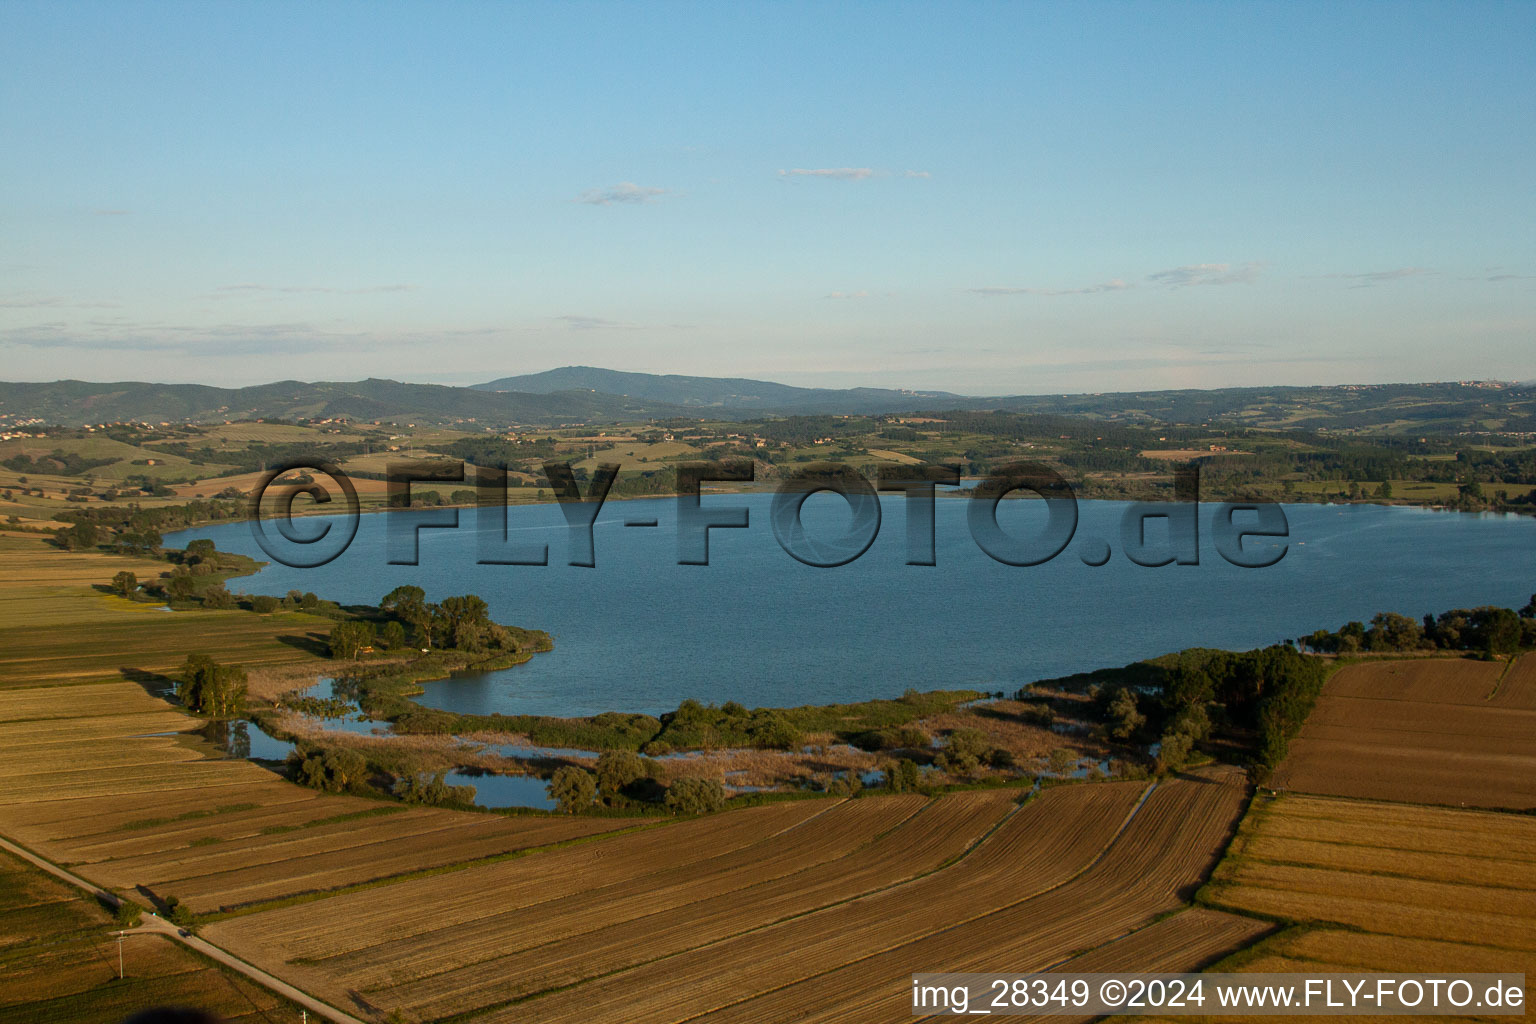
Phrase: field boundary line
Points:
(1103, 851)
(297, 899)
(155, 925)
(854, 852)
(1509, 667)
(1345, 926)
(864, 894)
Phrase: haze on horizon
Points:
(985, 199)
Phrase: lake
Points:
(639, 632)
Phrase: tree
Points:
(1494, 631)
(349, 638)
(179, 914)
(617, 769)
(209, 688)
(1173, 751)
(695, 796)
(218, 597)
(333, 769)
(1125, 717)
(392, 635)
(1194, 722)
(572, 789)
(124, 584)
(463, 619)
(78, 537)
(431, 790)
(902, 776)
(265, 604)
(409, 605)
(200, 550)
(1529, 611)
(138, 542)
(1393, 632)
(180, 586)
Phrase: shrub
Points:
(1125, 718)
(902, 776)
(849, 783)
(1063, 760)
(333, 769)
(695, 796)
(264, 603)
(963, 751)
(1038, 713)
(432, 790)
(218, 597)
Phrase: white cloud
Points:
(1193, 274)
(917, 174)
(623, 192)
(595, 323)
(1375, 277)
(231, 289)
(847, 295)
(835, 173)
(1115, 285)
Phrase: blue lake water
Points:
(639, 632)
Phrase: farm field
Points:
(162, 814)
(829, 912)
(819, 906)
(1431, 730)
(1370, 886)
(58, 962)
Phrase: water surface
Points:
(638, 632)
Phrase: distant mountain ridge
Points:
(735, 393)
(579, 394)
(73, 403)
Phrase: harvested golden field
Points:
(818, 904)
(1419, 680)
(1350, 869)
(136, 809)
(1377, 887)
(1429, 731)
(1085, 867)
(1518, 687)
(1188, 939)
(775, 911)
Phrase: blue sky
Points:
(985, 198)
